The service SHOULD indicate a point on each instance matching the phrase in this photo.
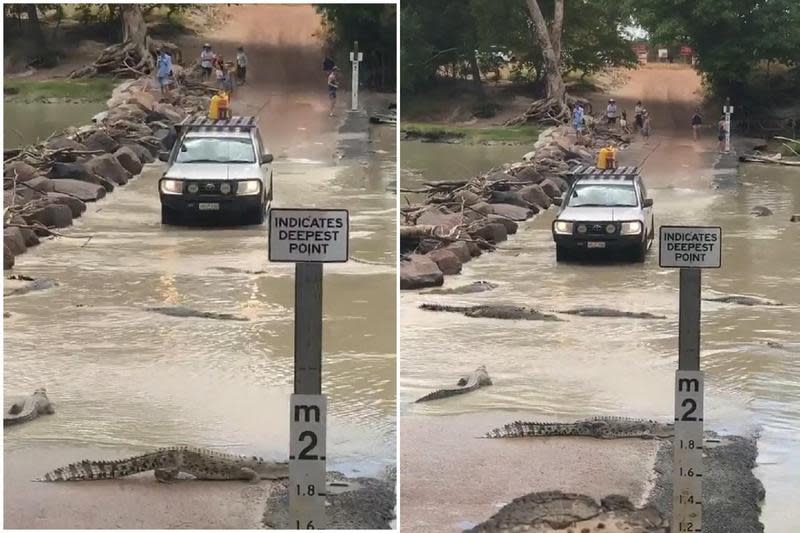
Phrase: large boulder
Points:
(129, 160)
(529, 174)
(512, 212)
(439, 216)
(151, 144)
(109, 168)
(551, 188)
(141, 152)
(508, 197)
(418, 271)
(460, 249)
(51, 215)
(101, 141)
(131, 111)
(8, 258)
(60, 143)
(76, 206)
(40, 183)
(510, 225)
(21, 195)
(492, 232)
(78, 172)
(536, 195)
(24, 170)
(446, 260)
(172, 113)
(82, 190)
(166, 136)
(468, 197)
(561, 182)
(14, 240)
(481, 207)
(31, 239)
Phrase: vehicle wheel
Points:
(256, 217)
(169, 216)
(640, 252)
(562, 254)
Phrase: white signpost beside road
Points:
(308, 238)
(690, 249)
(355, 58)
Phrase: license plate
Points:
(208, 206)
(596, 244)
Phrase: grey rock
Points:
(551, 188)
(51, 215)
(513, 212)
(510, 225)
(31, 239)
(482, 208)
(85, 191)
(76, 206)
(8, 257)
(446, 260)
(129, 160)
(109, 168)
(761, 211)
(24, 170)
(529, 174)
(536, 195)
(439, 216)
(468, 197)
(166, 136)
(493, 232)
(39, 183)
(101, 141)
(461, 250)
(508, 197)
(14, 240)
(59, 143)
(141, 152)
(417, 272)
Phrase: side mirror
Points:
(558, 200)
(163, 156)
(266, 158)
(648, 202)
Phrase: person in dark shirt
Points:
(697, 121)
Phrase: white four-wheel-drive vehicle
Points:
(216, 167)
(604, 210)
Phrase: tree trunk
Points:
(555, 30)
(476, 74)
(33, 21)
(554, 84)
(134, 30)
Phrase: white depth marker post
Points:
(309, 238)
(355, 58)
(728, 110)
(690, 249)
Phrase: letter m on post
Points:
(307, 410)
(688, 383)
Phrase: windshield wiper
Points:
(588, 205)
(202, 161)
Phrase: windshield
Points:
(601, 195)
(216, 150)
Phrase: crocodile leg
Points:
(166, 476)
(250, 475)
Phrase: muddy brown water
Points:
(625, 367)
(26, 123)
(123, 377)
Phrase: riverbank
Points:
(54, 91)
(469, 134)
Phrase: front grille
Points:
(212, 188)
(597, 228)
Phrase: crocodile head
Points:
(663, 431)
(269, 469)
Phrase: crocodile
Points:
(477, 286)
(167, 463)
(31, 407)
(477, 379)
(28, 285)
(601, 427)
(742, 300)
(606, 312)
(185, 312)
(507, 312)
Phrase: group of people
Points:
(213, 63)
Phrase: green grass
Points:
(474, 135)
(88, 90)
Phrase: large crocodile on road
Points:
(31, 407)
(167, 463)
(474, 381)
(600, 427)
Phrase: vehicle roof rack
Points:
(592, 172)
(202, 121)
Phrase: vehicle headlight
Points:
(225, 188)
(581, 228)
(563, 227)
(172, 186)
(193, 188)
(631, 228)
(248, 187)
(611, 228)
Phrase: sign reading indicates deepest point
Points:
(309, 235)
(690, 247)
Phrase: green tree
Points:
(374, 27)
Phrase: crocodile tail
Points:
(515, 429)
(92, 470)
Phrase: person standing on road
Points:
(697, 121)
(722, 129)
(577, 120)
(333, 85)
(637, 115)
(207, 58)
(645, 123)
(163, 70)
(612, 112)
(241, 66)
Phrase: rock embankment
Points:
(47, 185)
(460, 220)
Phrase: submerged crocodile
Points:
(606, 312)
(477, 286)
(166, 463)
(507, 312)
(600, 427)
(31, 407)
(185, 312)
(742, 300)
(30, 285)
(477, 379)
